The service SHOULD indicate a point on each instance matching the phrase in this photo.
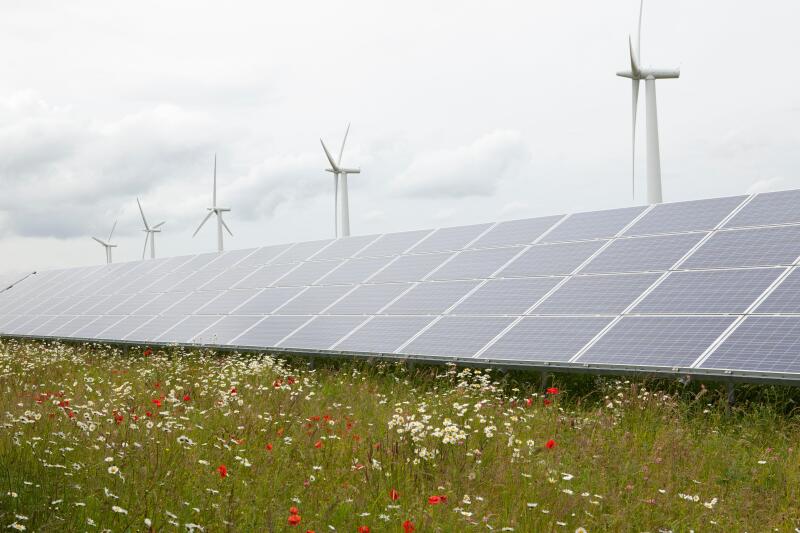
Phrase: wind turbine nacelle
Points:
(651, 73)
(351, 171)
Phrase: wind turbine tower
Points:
(649, 75)
(341, 202)
(214, 210)
(150, 233)
(107, 243)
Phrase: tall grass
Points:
(93, 439)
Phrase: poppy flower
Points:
(436, 500)
(148, 414)
(156, 401)
(233, 390)
(148, 352)
(528, 402)
(552, 390)
(363, 529)
(294, 510)
(550, 444)
(294, 519)
(269, 446)
(547, 402)
(408, 526)
(223, 471)
(394, 495)
(318, 444)
(186, 398)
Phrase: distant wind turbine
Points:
(214, 210)
(649, 75)
(341, 211)
(150, 234)
(107, 243)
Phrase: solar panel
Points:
(781, 207)
(543, 338)
(639, 288)
(762, 344)
(590, 295)
(747, 248)
(269, 331)
(708, 291)
(383, 334)
(458, 336)
(685, 216)
(445, 239)
(551, 259)
(506, 296)
(593, 225)
(430, 298)
(675, 341)
(322, 332)
(410, 267)
(475, 264)
(785, 298)
(515, 232)
(643, 254)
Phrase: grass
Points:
(79, 451)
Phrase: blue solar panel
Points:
(593, 225)
(431, 297)
(515, 232)
(511, 296)
(542, 338)
(675, 341)
(594, 295)
(746, 248)
(763, 344)
(459, 336)
(383, 334)
(785, 298)
(708, 291)
(551, 259)
(475, 264)
(696, 215)
(781, 207)
(446, 239)
(643, 254)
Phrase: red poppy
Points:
(435, 500)
(269, 446)
(394, 495)
(528, 401)
(294, 519)
(294, 510)
(148, 414)
(233, 390)
(550, 444)
(318, 444)
(547, 402)
(148, 352)
(156, 401)
(223, 471)
(118, 418)
(363, 529)
(408, 526)
(186, 398)
(552, 390)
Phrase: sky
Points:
(461, 111)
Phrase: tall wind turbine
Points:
(107, 243)
(649, 75)
(150, 234)
(214, 210)
(341, 203)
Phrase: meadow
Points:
(193, 440)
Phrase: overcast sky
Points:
(461, 111)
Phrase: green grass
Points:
(629, 455)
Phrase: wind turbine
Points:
(150, 234)
(341, 212)
(649, 75)
(107, 243)
(214, 210)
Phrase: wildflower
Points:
(156, 401)
(148, 352)
(233, 391)
(394, 495)
(186, 398)
(436, 500)
(550, 444)
(113, 470)
(528, 402)
(294, 510)
(118, 509)
(552, 390)
(547, 402)
(363, 529)
(408, 526)
(318, 444)
(223, 471)
(269, 446)
(294, 519)
(17, 526)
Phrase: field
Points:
(93, 439)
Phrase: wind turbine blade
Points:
(203, 222)
(98, 240)
(341, 151)
(222, 220)
(144, 250)
(142, 212)
(334, 165)
(159, 224)
(635, 70)
(635, 105)
(112, 231)
(639, 32)
(214, 203)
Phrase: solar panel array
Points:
(708, 287)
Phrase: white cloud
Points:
(475, 169)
